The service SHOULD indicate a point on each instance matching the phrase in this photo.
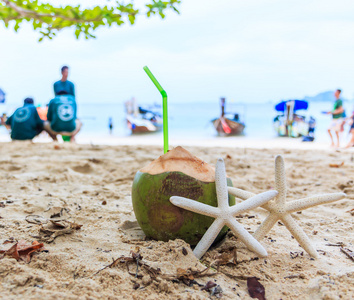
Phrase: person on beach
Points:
(3, 119)
(64, 84)
(25, 123)
(62, 117)
(351, 131)
(110, 125)
(337, 118)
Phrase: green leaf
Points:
(77, 33)
(131, 19)
(52, 19)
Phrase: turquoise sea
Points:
(192, 120)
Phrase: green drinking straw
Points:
(164, 108)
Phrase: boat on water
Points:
(228, 124)
(292, 124)
(141, 120)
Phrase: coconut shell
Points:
(177, 173)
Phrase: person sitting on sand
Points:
(25, 123)
(337, 117)
(62, 117)
(64, 84)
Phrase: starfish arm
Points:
(251, 243)
(266, 226)
(243, 195)
(221, 185)
(208, 238)
(280, 180)
(302, 204)
(253, 202)
(195, 206)
(299, 234)
(240, 193)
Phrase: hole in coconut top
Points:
(180, 160)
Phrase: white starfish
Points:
(280, 210)
(224, 214)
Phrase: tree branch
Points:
(44, 16)
(25, 13)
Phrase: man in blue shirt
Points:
(25, 123)
(62, 116)
(64, 84)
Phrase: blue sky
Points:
(248, 51)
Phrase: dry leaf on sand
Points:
(22, 250)
(255, 288)
(49, 232)
(337, 165)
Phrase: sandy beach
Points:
(156, 139)
(90, 185)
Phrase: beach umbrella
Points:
(298, 105)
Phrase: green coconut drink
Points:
(177, 173)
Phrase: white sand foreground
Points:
(91, 186)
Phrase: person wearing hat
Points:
(25, 122)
